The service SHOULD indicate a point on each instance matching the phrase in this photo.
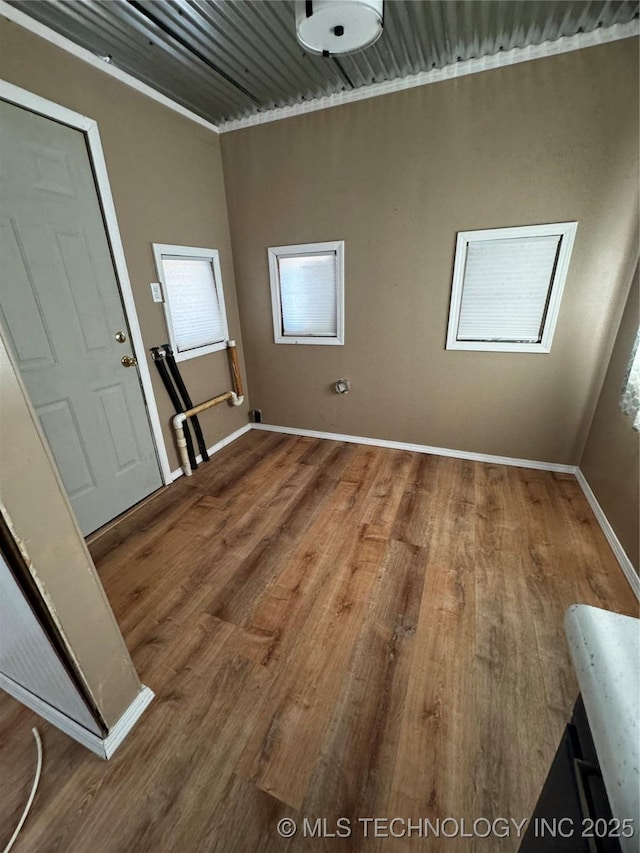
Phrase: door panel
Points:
(67, 445)
(120, 427)
(20, 308)
(83, 287)
(61, 309)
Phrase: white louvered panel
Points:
(28, 658)
(506, 288)
(193, 301)
(308, 293)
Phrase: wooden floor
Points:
(332, 631)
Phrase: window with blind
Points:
(507, 287)
(193, 299)
(307, 293)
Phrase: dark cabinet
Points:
(573, 814)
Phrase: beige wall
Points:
(611, 458)
(396, 177)
(166, 178)
(56, 555)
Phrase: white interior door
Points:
(62, 313)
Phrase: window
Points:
(507, 287)
(193, 299)
(630, 400)
(307, 293)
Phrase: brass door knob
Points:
(129, 360)
(120, 337)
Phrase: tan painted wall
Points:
(56, 554)
(611, 458)
(396, 177)
(166, 178)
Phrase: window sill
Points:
(198, 351)
(312, 341)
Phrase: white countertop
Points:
(605, 648)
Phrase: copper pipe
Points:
(208, 404)
(235, 368)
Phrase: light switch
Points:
(156, 291)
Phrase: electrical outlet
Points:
(156, 291)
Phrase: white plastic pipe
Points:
(236, 398)
(178, 422)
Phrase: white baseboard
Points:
(127, 721)
(620, 554)
(618, 551)
(103, 747)
(424, 448)
(216, 447)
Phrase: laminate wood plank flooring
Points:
(332, 631)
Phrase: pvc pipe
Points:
(178, 423)
(235, 397)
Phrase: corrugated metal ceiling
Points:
(229, 59)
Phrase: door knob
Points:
(120, 337)
(129, 360)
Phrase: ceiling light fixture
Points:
(335, 27)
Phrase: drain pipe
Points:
(235, 397)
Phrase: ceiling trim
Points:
(458, 69)
(71, 47)
(517, 55)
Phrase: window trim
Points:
(161, 250)
(566, 230)
(274, 252)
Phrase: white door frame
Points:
(88, 126)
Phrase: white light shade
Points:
(333, 27)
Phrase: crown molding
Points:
(565, 44)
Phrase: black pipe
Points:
(186, 399)
(158, 357)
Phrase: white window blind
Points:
(308, 294)
(507, 285)
(193, 299)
